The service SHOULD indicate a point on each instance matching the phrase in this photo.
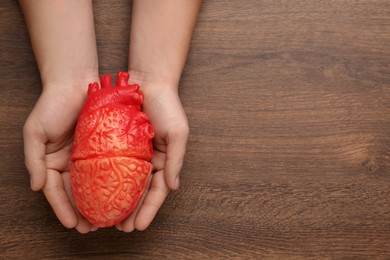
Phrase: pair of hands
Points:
(48, 140)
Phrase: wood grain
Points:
(289, 152)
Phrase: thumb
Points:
(34, 153)
(176, 149)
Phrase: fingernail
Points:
(31, 183)
(119, 227)
(94, 228)
(177, 182)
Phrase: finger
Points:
(34, 153)
(127, 225)
(158, 160)
(83, 226)
(58, 199)
(60, 159)
(94, 228)
(154, 199)
(176, 149)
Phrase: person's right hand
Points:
(48, 139)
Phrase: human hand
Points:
(162, 105)
(48, 139)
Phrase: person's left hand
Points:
(162, 105)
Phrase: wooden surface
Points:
(289, 153)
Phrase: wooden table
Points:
(289, 152)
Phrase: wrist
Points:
(149, 81)
(69, 83)
(71, 90)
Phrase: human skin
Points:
(160, 38)
(63, 40)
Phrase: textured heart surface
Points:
(111, 150)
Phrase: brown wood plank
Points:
(289, 153)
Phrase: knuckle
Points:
(182, 131)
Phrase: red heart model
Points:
(112, 147)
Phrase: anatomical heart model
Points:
(112, 147)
